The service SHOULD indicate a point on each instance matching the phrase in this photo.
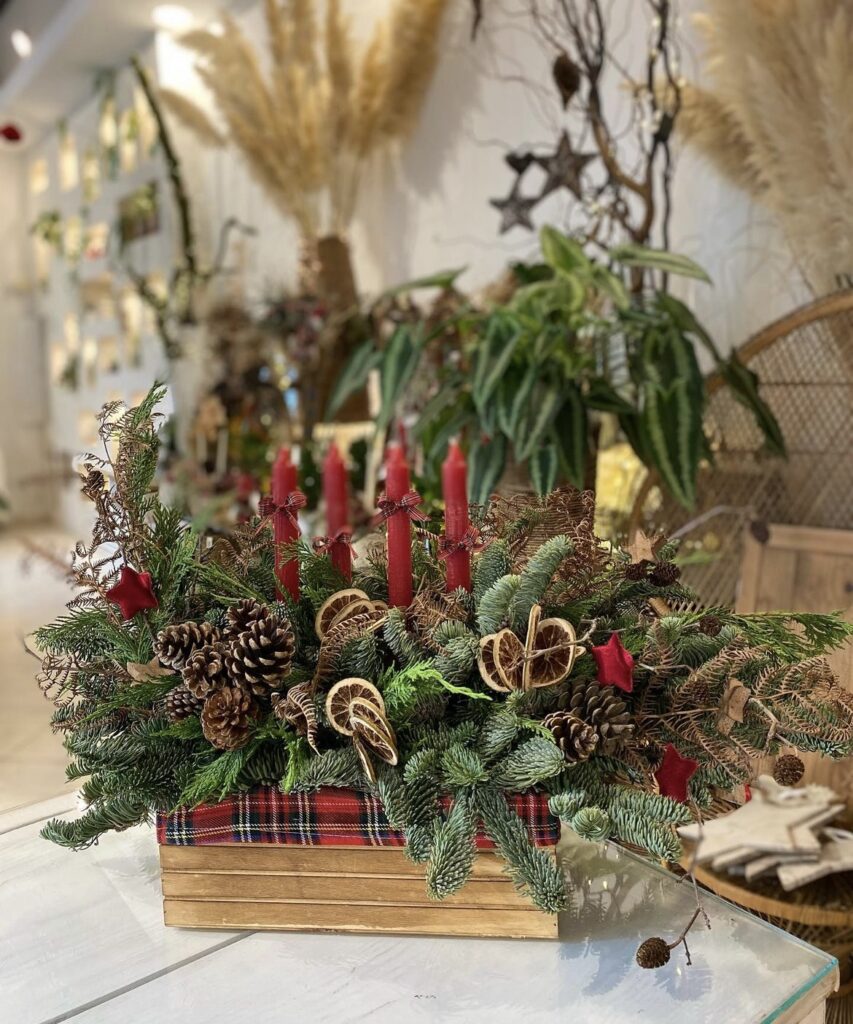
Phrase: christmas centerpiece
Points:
(279, 706)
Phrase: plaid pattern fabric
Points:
(328, 817)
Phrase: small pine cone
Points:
(240, 616)
(261, 656)
(227, 716)
(653, 953)
(181, 704)
(599, 707)
(664, 574)
(205, 669)
(788, 770)
(175, 644)
(636, 571)
(575, 738)
(701, 695)
(710, 625)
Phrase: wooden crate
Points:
(340, 889)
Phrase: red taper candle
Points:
(454, 486)
(336, 495)
(397, 484)
(285, 528)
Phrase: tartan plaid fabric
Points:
(328, 817)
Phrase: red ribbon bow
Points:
(408, 504)
(469, 541)
(269, 507)
(324, 545)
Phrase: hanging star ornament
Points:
(515, 210)
(615, 664)
(133, 592)
(675, 773)
(563, 168)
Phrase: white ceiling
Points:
(72, 40)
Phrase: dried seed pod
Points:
(653, 952)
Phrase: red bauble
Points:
(615, 664)
(133, 592)
(674, 774)
(11, 132)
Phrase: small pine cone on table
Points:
(227, 717)
(242, 615)
(601, 709)
(653, 953)
(181, 704)
(261, 656)
(205, 669)
(175, 644)
(575, 738)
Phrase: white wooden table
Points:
(82, 939)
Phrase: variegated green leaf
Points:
(570, 433)
(543, 466)
(631, 255)
(513, 400)
(486, 461)
(493, 357)
(561, 252)
(402, 356)
(542, 408)
(354, 375)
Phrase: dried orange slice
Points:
(509, 656)
(333, 606)
(341, 697)
(552, 653)
(348, 611)
(371, 728)
(489, 666)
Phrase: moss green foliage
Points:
(463, 748)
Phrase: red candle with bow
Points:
(285, 525)
(336, 495)
(397, 486)
(457, 532)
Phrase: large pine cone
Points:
(240, 616)
(600, 708)
(175, 644)
(181, 704)
(227, 716)
(260, 657)
(575, 738)
(205, 669)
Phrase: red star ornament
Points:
(615, 664)
(133, 592)
(674, 774)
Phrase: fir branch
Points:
(453, 851)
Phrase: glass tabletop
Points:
(743, 969)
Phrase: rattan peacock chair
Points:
(804, 362)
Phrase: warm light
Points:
(172, 17)
(21, 43)
(216, 28)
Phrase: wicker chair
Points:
(805, 365)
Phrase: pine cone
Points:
(260, 657)
(600, 708)
(181, 704)
(788, 770)
(227, 715)
(664, 574)
(653, 953)
(205, 669)
(240, 616)
(175, 644)
(710, 625)
(637, 571)
(575, 738)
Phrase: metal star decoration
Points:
(563, 168)
(515, 210)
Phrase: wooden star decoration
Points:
(563, 168)
(642, 547)
(133, 592)
(835, 856)
(675, 773)
(147, 671)
(515, 210)
(764, 826)
(615, 664)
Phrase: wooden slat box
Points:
(266, 882)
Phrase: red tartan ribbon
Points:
(269, 507)
(469, 541)
(325, 545)
(408, 504)
(328, 817)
